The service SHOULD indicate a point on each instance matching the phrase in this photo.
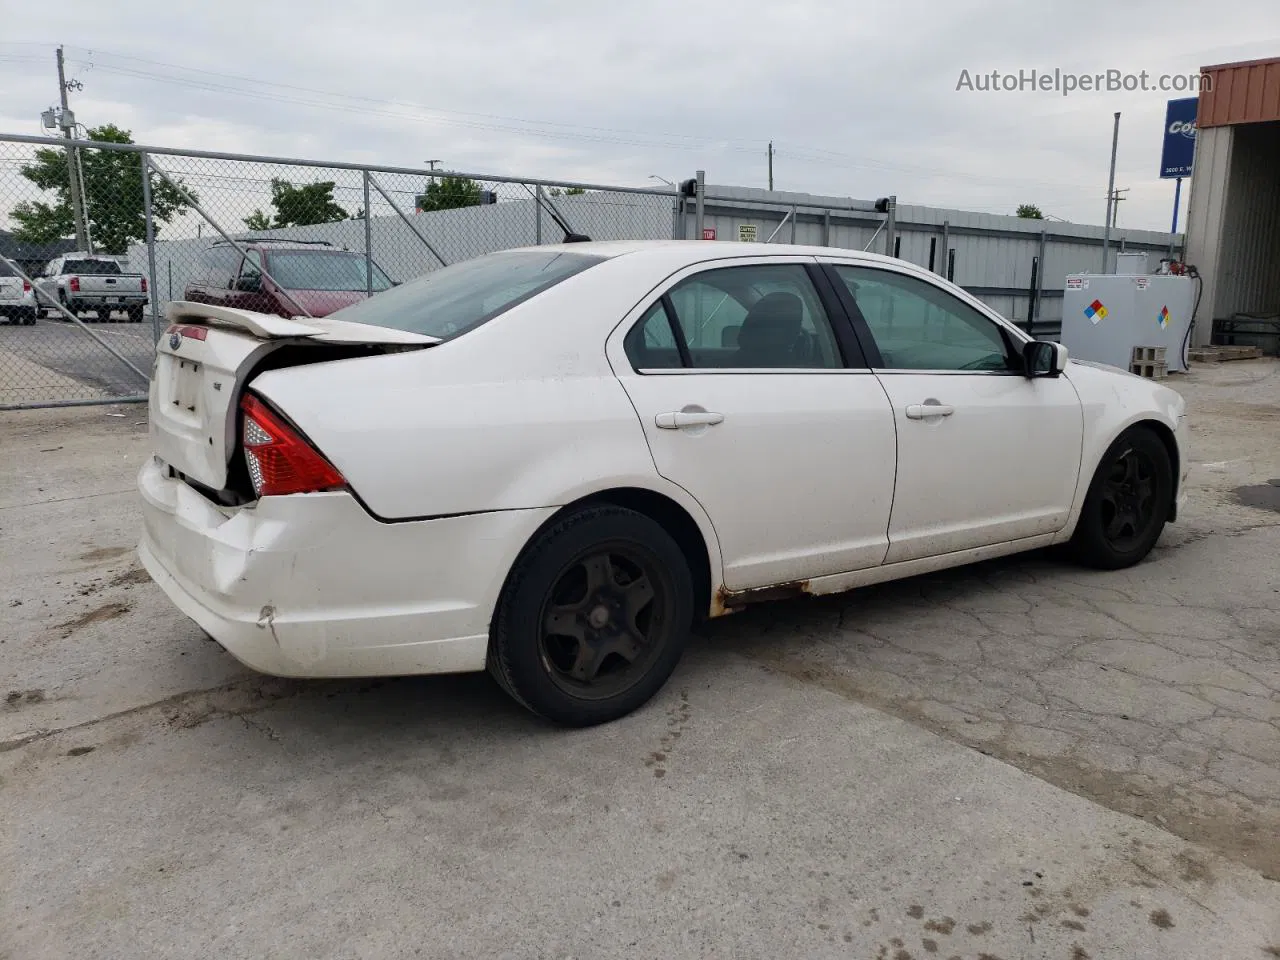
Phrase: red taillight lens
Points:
(74, 284)
(26, 286)
(279, 460)
(144, 284)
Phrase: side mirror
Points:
(249, 283)
(1043, 358)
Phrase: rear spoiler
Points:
(268, 326)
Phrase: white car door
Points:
(985, 454)
(762, 409)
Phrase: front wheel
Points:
(1127, 504)
(593, 618)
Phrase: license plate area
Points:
(182, 385)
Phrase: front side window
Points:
(918, 326)
(765, 316)
(449, 302)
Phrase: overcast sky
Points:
(859, 97)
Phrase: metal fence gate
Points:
(295, 236)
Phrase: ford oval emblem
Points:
(175, 341)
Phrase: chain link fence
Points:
(91, 251)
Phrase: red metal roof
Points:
(1246, 92)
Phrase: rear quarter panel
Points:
(523, 412)
(1112, 401)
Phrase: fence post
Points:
(368, 239)
(701, 209)
(1040, 275)
(793, 223)
(537, 204)
(826, 228)
(891, 226)
(151, 247)
(946, 244)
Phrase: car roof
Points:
(698, 251)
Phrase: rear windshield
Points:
(100, 268)
(449, 302)
(305, 270)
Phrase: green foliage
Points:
(301, 206)
(1029, 211)
(112, 186)
(257, 221)
(566, 192)
(449, 193)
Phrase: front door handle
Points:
(688, 418)
(930, 408)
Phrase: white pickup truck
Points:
(84, 282)
(17, 302)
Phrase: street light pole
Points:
(73, 165)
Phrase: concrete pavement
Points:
(1021, 759)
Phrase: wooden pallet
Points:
(1222, 353)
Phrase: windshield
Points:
(91, 267)
(449, 302)
(313, 270)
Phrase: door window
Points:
(762, 316)
(918, 326)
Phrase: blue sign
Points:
(1179, 137)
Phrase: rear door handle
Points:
(919, 411)
(681, 418)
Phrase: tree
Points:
(566, 192)
(1029, 211)
(112, 185)
(298, 206)
(257, 221)
(449, 193)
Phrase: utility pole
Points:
(771, 165)
(1115, 205)
(1111, 189)
(73, 164)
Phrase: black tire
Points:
(1127, 504)
(30, 318)
(135, 314)
(618, 639)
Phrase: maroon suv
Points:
(315, 276)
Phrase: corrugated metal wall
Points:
(993, 255)
(1247, 92)
(1248, 279)
(1205, 211)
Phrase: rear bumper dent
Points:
(312, 586)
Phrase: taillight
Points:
(26, 286)
(74, 284)
(279, 460)
(144, 284)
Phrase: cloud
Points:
(859, 97)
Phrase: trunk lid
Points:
(10, 288)
(205, 359)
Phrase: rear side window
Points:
(313, 270)
(451, 301)
(754, 317)
(220, 266)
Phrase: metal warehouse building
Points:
(1233, 224)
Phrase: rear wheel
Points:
(1127, 504)
(593, 618)
(135, 314)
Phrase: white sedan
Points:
(551, 462)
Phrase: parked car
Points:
(549, 462)
(86, 282)
(315, 276)
(17, 300)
